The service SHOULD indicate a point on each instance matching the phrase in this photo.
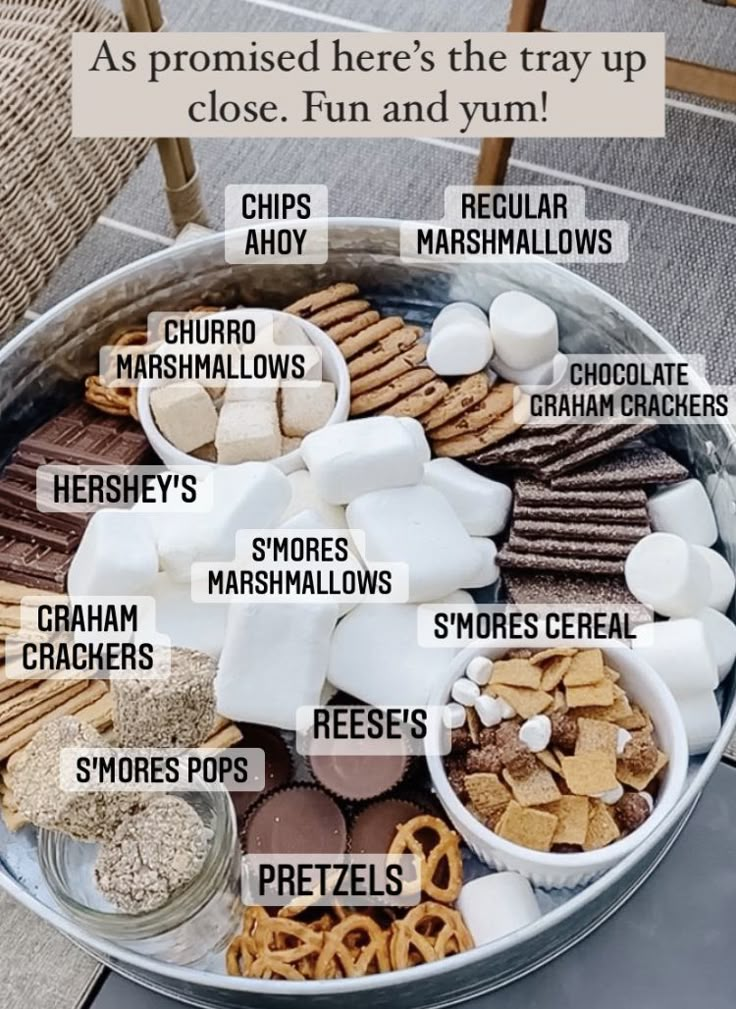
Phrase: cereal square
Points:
(551, 653)
(585, 668)
(602, 828)
(636, 719)
(554, 671)
(516, 673)
(593, 695)
(550, 760)
(572, 812)
(537, 789)
(595, 734)
(531, 828)
(486, 792)
(525, 702)
(640, 781)
(589, 773)
(611, 674)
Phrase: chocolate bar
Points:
(81, 435)
(33, 564)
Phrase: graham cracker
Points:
(537, 789)
(572, 812)
(524, 701)
(554, 671)
(593, 695)
(486, 792)
(65, 705)
(530, 828)
(589, 773)
(602, 827)
(12, 708)
(551, 653)
(595, 735)
(640, 781)
(586, 668)
(516, 673)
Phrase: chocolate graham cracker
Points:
(530, 492)
(510, 558)
(584, 513)
(635, 466)
(539, 529)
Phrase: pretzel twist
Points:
(443, 858)
(429, 932)
(353, 948)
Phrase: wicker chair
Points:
(52, 186)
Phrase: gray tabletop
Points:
(671, 946)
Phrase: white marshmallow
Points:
(482, 505)
(273, 661)
(464, 691)
(479, 670)
(536, 733)
(495, 905)
(678, 651)
(252, 495)
(304, 497)
(415, 429)
(664, 572)
(416, 526)
(507, 711)
(116, 557)
(623, 736)
(200, 626)
(487, 571)
(488, 709)
(458, 311)
(549, 374)
(460, 348)
(702, 718)
(524, 330)
(376, 657)
(684, 509)
(453, 716)
(612, 795)
(310, 519)
(720, 634)
(359, 456)
(722, 578)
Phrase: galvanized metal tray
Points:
(41, 370)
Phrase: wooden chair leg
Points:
(181, 175)
(524, 16)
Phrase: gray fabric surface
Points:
(679, 278)
(39, 968)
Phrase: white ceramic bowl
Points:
(334, 369)
(552, 869)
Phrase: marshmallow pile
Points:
(525, 340)
(675, 571)
(241, 423)
(466, 693)
(373, 476)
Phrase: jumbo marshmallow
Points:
(253, 495)
(416, 431)
(487, 572)
(482, 505)
(684, 509)
(375, 655)
(460, 348)
(702, 718)
(459, 311)
(199, 626)
(523, 329)
(304, 497)
(116, 556)
(664, 572)
(359, 456)
(494, 905)
(418, 527)
(548, 374)
(274, 660)
(678, 651)
(310, 519)
(720, 633)
(722, 578)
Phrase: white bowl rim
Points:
(289, 460)
(584, 860)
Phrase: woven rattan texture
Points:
(52, 186)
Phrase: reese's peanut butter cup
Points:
(295, 820)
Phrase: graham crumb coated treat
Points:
(174, 709)
(38, 793)
(568, 771)
(152, 854)
(294, 820)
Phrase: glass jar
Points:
(199, 919)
